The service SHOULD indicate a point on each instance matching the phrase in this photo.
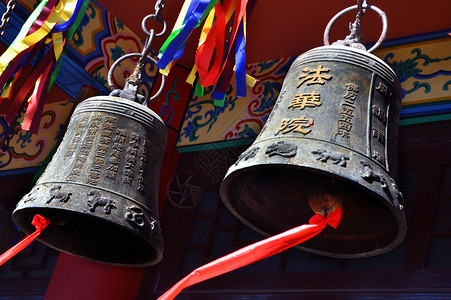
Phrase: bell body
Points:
(330, 140)
(100, 190)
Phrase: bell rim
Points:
(28, 228)
(396, 213)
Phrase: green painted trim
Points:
(216, 145)
(426, 119)
(433, 103)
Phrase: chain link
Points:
(159, 6)
(6, 16)
(360, 10)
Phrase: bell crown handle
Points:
(349, 38)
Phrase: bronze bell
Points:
(330, 140)
(100, 190)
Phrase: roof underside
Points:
(287, 28)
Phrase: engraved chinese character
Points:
(118, 146)
(379, 157)
(119, 139)
(347, 111)
(135, 140)
(379, 135)
(81, 158)
(111, 174)
(127, 180)
(379, 113)
(146, 143)
(113, 168)
(141, 184)
(305, 99)
(108, 126)
(130, 159)
(102, 148)
(301, 125)
(98, 161)
(94, 126)
(104, 140)
(132, 152)
(350, 95)
(94, 174)
(85, 151)
(344, 125)
(352, 87)
(316, 77)
(382, 88)
(110, 119)
(114, 160)
(346, 118)
(116, 153)
(343, 133)
(75, 172)
(121, 132)
(78, 165)
(130, 166)
(106, 133)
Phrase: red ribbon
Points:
(35, 108)
(216, 40)
(40, 223)
(333, 219)
(29, 85)
(256, 252)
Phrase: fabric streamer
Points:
(197, 11)
(256, 252)
(52, 22)
(40, 223)
(240, 58)
(223, 30)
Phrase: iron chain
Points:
(360, 10)
(6, 16)
(159, 6)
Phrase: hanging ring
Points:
(153, 60)
(156, 18)
(365, 6)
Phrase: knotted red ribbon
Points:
(333, 219)
(256, 252)
(40, 223)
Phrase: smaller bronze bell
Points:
(100, 190)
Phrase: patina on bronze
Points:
(330, 140)
(100, 191)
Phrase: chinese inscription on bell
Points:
(345, 122)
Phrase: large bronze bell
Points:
(330, 140)
(100, 190)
